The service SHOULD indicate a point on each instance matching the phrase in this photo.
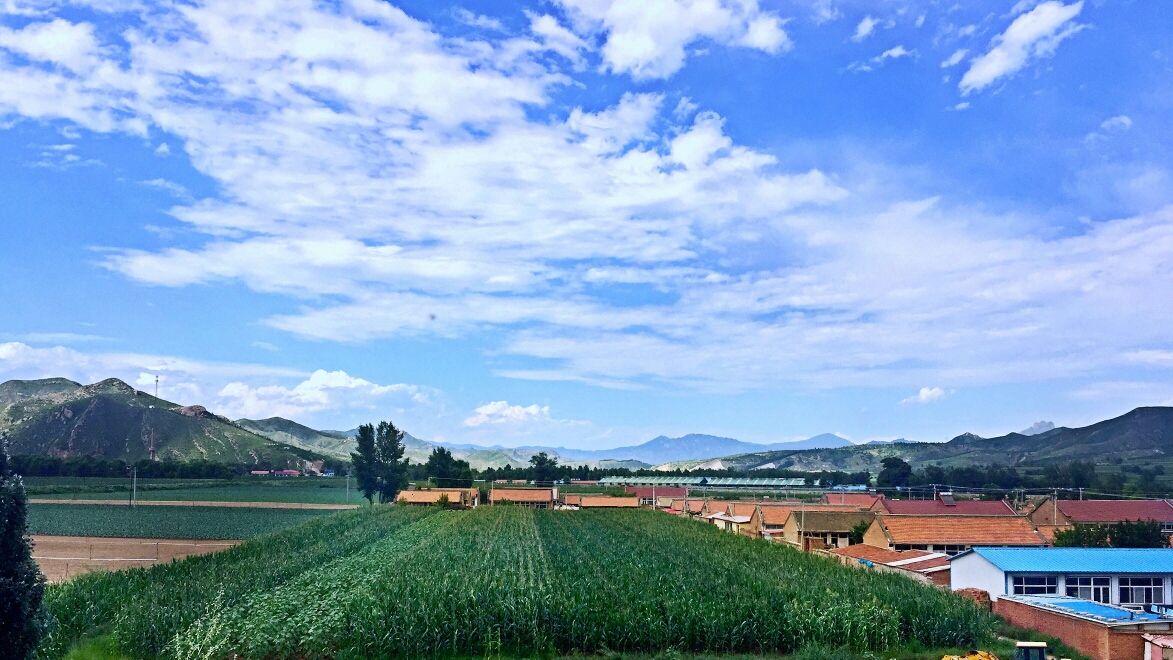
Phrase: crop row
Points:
(188, 522)
(504, 580)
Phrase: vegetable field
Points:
(187, 522)
(503, 580)
(310, 490)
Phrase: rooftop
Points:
(605, 501)
(1093, 511)
(1078, 560)
(522, 495)
(940, 506)
(1090, 610)
(959, 530)
(828, 521)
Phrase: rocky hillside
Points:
(111, 419)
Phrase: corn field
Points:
(397, 581)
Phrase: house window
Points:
(1035, 585)
(951, 549)
(1090, 588)
(908, 546)
(1141, 590)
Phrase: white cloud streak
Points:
(1033, 35)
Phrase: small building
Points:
(571, 501)
(1158, 647)
(950, 534)
(457, 498)
(607, 502)
(944, 504)
(533, 498)
(585, 482)
(919, 565)
(808, 529)
(1131, 577)
(259, 473)
(1097, 630)
(732, 517)
(770, 517)
(649, 494)
(690, 507)
(286, 473)
(1066, 513)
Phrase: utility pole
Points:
(134, 486)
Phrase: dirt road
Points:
(63, 557)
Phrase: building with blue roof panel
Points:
(1129, 577)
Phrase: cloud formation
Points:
(925, 395)
(649, 39)
(1033, 35)
(501, 412)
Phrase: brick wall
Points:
(1089, 638)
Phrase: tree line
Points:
(1000, 480)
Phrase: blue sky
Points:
(587, 222)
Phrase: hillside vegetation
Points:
(1143, 436)
(111, 419)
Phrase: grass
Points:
(506, 581)
(161, 521)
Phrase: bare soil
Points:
(64, 557)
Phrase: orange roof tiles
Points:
(605, 501)
(522, 495)
(937, 507)
(424, 496)
(959, 530)
(776, 514)
(861, 500)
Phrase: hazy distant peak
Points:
(1037, 428)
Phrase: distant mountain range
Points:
(1141, 437)
(111, 419)
(58, 417)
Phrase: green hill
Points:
(111, 419)
(1143, 436)
(289, 432)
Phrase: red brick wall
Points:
(1091, 639)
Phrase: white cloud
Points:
(867, 27)
(955, 58)
(501, 412)
(61, 337)
(1117, 124)
(925, 395)
(163, 149)
(477, 20)
(334, 391)
(556, 38)
(68, 45)
(1151, 357)
(1032, 35)
(649, 39)
(893, 53)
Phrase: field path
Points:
(238, 505)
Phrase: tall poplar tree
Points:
(22, 586)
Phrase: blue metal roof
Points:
(1092, 610)
(1078, 560)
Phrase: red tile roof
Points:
(645, 492)
(861, 500)
(937, 507)
(959, 530)
(910, 560)
(775, 515)
(1109, 511)
(522, 495)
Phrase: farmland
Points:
(503, 580)
(193, 522)
(310, 490)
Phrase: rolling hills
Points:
(1143, 436)
(111, 419)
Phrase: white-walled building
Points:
(1119, 576)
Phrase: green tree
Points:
(543, 467)
(22, 586)
(1137, 534)
(446, 471)
(379, 466)
(1082, 536)
(365, 462)
(894, 472)
(857, 531)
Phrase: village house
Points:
(950, 534)
(533, 498)
(691, 507)
(919, 565)
(944, 504)
(858, 500)
(458, 498)
(1097, 630)
(1051, 514)
(607, 502)
(571, 501)
(1130, 577)
(732, 517)
(649, 494)
(811, 529)
(770, 517)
